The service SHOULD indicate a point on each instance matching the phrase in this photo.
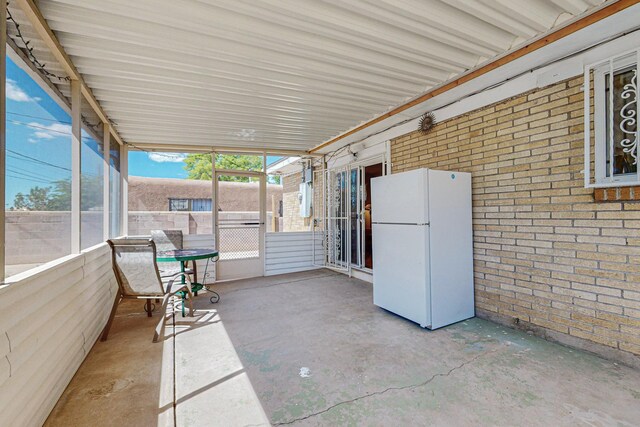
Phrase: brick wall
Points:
(291, 183)
(291, 219)
(547, 255)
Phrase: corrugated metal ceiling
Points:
(278, 74)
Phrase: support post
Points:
(124, 181)
(214, 199)
(3, 132)
(263, 212)
(76, 143)
(274, 211)
(106, 201)
(214, 210)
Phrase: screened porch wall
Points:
(50, 317)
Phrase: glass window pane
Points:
(284, 176)
(354, 210)
(38, 175)
(115, 201)
(624, 122)
(240, 162)
(91, 188)
(170, 191)
(201, 205)
(178, 205)
(291, 219)
(275, 207)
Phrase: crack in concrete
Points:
(10, 367)
(378, 393)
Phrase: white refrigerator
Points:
(423, 246)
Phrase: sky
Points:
(157, 165)
(162, 165)
(38, 136)
(39, 142)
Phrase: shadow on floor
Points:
(191, 377)
(121, 380)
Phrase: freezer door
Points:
(400, 198)
(400, 279)
(451, 247)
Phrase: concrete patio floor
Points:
(316, 351)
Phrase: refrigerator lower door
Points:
(400, 276)
(451, 248)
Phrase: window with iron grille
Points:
(612, 107)
(190, 205)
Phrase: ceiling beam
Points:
(207, 149)
(39, 74)
(545, 40)
(45, 33)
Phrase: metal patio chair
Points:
(167, 240)
(134, 265)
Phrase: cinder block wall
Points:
(34, 237)
(547, 255)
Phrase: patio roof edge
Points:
(143, 146)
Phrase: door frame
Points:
(319, 226)
(340, 222)
(361, 165)
(357, 216)
(260, 261)
(380, 157)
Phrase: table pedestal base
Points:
(195, 287)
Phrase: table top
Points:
(185, 254)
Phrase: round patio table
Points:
(185, 255)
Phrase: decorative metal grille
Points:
(337, 218)
(611, 145)
(628, 118)
(193, 205)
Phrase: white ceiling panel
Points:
(277, 74)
